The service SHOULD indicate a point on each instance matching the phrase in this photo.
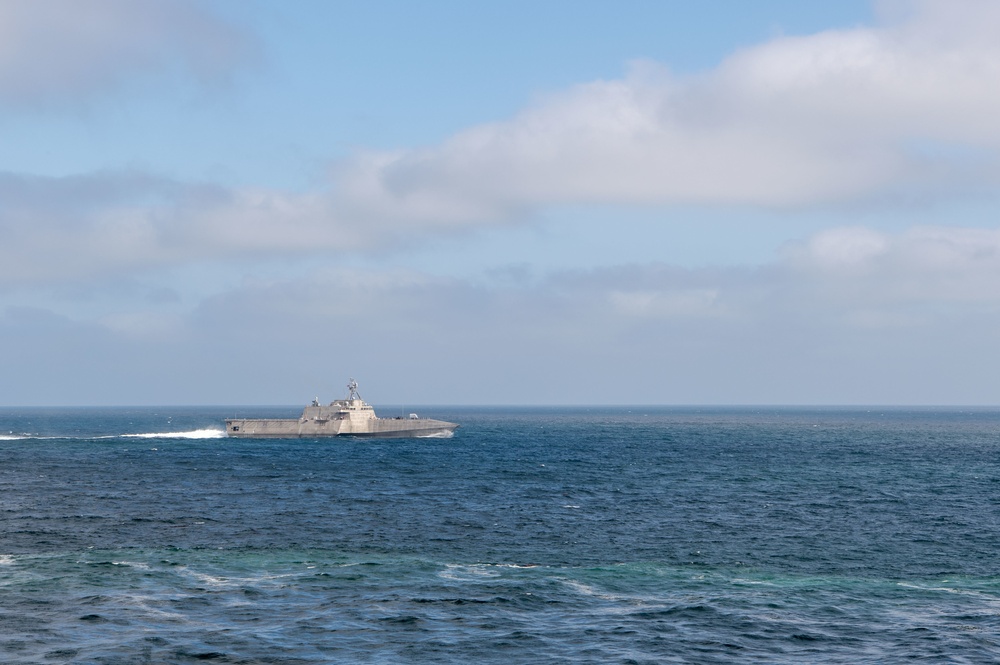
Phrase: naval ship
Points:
(343, 417)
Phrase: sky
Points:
(566, 202)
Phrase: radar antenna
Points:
(352, 389)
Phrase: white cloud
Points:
(843, 248)
(832, 117)
(920, 265)
(116, 222)
(120, 222)
(57, 51)
(665, 305)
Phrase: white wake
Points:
(193, 434)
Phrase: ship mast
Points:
(352, 389)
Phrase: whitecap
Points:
(234, 581)
(138, 565)
(945, 589)
(467, 573)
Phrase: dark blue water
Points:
(643, 535)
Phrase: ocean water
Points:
(604, 535)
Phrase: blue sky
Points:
(246, 202)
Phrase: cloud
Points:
(103, 225)
(842, 116)
(79, 227)
(929, 276)
(117, 222)
(839, 116)
(848, 315)
(57, 228)
(60, 51)
(923, 267)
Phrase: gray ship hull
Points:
(380, 428)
